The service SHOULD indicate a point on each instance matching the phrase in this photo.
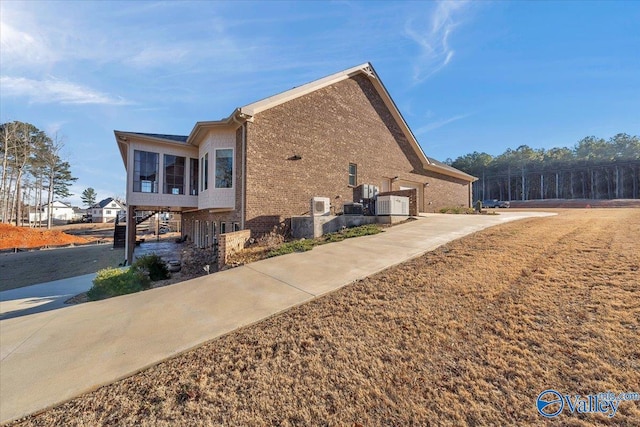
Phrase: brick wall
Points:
(444, 191)
(411, 194)
(340, 124)
(189, 218)
(329, 128)
(230, 243)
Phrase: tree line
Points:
(32, 171)
(594, 168)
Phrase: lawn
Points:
(468, 334)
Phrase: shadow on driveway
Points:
(43, 297)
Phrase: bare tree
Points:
(7, 137)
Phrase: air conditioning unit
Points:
(365, 191)
(353, 209)
(320, 206)
(392, 205)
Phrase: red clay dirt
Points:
(12, 237)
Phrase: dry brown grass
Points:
(466, 335)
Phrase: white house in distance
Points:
(107, 210)
(60, 212)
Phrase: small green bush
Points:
(111, 282)
(154, 265)
(363, 230)
(290, 247)
(347, 233)
(308, 244)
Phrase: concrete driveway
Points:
(53, 356)
(43, 297)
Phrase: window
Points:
(223, 227)
(193, 177)
(224, 168)
(236, 226)
(204, 170)
(145, 172)
(353, 174)
(108, 212)
(173, 174)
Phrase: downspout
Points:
(244, 174)
(127, 261)
(243, 124)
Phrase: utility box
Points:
(365, 191)
(392, 205)
(320, 206)
(353, 209)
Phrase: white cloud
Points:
(439, 123)
(23, 47)
(157, 56)
(433, 38)
(53, 90)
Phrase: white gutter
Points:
(244, 174)
(243, 125)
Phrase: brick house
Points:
(262, 164)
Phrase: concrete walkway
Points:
(50, 357)
(43, 297)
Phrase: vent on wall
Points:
(320, 206)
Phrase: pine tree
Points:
(89, 197)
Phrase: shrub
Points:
(308, 244)
(363, 230)
(290, 247)
(111, 282)
(154, 265)
(457, 210)
(271, 240)
(193, 260)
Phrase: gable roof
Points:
(122, 138)
(440, 167)
(59, 204)
(247, 112)
(174, 138)
(103, 203)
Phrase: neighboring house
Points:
(61, 212)
(263, 163)
(107, 210)
(79, 214)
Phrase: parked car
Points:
(495, 203)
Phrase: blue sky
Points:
(467, 76)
